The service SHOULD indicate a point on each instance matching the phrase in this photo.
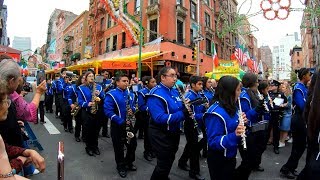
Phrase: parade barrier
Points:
(32, 137)
(226, 67)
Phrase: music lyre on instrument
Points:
(60, 160)
(241, 122)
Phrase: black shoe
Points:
(66, 129)
(96, 151)
(259, 168)
(276, 150)
(140, 137)
(71, 131)
(78, 139)
(122, 173)
(184, 167)
(89, 151)
(152, 155)
(43, 122)
(147, 156)
(196, 176)
(287, 174)
(131, 167)
(51, 111)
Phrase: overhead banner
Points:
(226, 67)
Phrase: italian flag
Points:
(214, 55)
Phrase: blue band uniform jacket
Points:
(115, 105)
(165, 107)
(221, 128)
(142, 103)
(299, 96)
(198, 110)
(85, 95)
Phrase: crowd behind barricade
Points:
(218, 119)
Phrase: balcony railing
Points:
(181, 11)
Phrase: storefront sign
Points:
(119, 65)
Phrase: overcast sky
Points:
(29, 18)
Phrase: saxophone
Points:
(129, 120)
(184, 101)
(75, 110)
(95, 100)
(241, 122)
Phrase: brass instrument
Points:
(95, 100)
(241, 122)
(75, 110)
(129, 120)
(184, 101)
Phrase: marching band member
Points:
(193, 146)
(89, 96)
(224, 129)
(208, 90)
(118, 106)
(208, 93)
(312, 116)
(79, 121)
(148, 83)
(56, 98)
(107, 84)
(298, 124)
(253, 107)
(66, 109)
(60, 83)
(166, 115)
(49, 96)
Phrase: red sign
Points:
(119, 65)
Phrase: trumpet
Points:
(241, 122)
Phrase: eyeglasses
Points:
(172, 75)
(6, 101)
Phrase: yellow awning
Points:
(97, 63)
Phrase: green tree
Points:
(294, 77)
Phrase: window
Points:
(153, 2)
(153, 29)
(180, 31)
(108, 45)
(298, 53)
(179, 2)
(136, 6)
(207, 19)
(123, 44)
(191, 37)
(208, 46)
(207, 2)
(298, 61)
(114, 43)
(100, 47)
(102, 24)
(193, 10)
(109, 21)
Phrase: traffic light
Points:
(194, 53)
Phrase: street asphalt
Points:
(80, 166)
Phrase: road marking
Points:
(49, 126)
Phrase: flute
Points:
(264, 103)
(241, 122)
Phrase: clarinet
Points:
(184, 101)
(241, 122)
(129, 119)
(264, 102)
